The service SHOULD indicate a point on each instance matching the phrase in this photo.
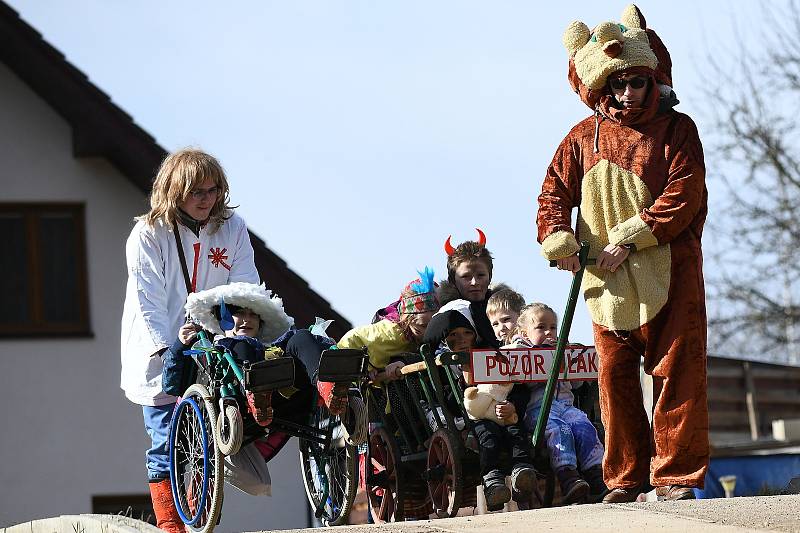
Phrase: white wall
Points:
(66, 430)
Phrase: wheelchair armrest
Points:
(269, 375)
(342, 365)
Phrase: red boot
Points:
(334, 395)
(260, 406)
(167, 517)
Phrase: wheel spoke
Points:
(440, 453)
(437, 493)
(327, 472)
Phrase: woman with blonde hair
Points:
(190, 240)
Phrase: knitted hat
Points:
(274, 320)
(455, 314)
(419, 296)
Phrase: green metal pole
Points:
(233, 366)
(561, 344)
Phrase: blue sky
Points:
(358, 135)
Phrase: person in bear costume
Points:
(635, 172)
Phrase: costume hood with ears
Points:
(274, 320)
(612, 47)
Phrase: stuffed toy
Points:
(480, 402)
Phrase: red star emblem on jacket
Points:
(218, 257)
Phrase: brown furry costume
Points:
(638, 177)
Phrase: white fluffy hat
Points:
(257, 298)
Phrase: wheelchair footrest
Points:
(342, 365)
(269, 375)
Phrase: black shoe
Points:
(497, 495)
(527, 500)
(523, 478)
(495, 490)
(573, 488)
(597, 487)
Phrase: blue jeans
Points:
(156, 422)
(571, 438)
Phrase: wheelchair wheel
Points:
(384, 478)
(444, 474)
(195, 461)
(229, 430)
(329, 474)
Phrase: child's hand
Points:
(187, 333)
(393, 370)
(504, 410)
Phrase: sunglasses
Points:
(619, 84)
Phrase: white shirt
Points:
(156, 293)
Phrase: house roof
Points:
(101, 129)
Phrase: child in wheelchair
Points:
(453, 326)
(571, 438)
(246, 321)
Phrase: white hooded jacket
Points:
(156, 293)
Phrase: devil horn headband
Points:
(449, 247)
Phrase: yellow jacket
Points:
(382, 339)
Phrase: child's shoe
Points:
(523, 478)
(573, 488)
(495, 490)
(597, 487)
(260, 406)
(334, 396)
(355, 422)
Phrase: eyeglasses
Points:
(619, 84)
(199, 194)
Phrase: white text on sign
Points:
(532, 364)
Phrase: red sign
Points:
(533, 364)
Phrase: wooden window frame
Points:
(36, 325)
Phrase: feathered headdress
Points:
(419, 295)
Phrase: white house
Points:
(75, 171)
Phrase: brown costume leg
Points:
(676, 358)
(627, 458)
(673, 345)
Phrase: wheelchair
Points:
(211, 422)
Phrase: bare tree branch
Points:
(755, 258)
